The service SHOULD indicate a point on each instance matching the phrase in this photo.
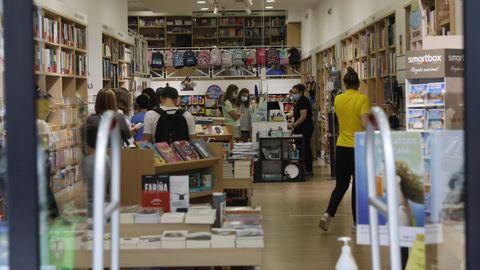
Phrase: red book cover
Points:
(156, 192)
(167, 152)
(186, 151)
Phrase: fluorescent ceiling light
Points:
(201, 2)
(215, 10)
(204, 9)
(269, 7)
(270, 1)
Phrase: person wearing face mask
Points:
(303, 123)
(243, 103)
(229, 110)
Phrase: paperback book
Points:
(167, 152)
(179, 193)
(199, 240)
(158, 159)
(436, 119)
(436, 94)
(174, 239)
(202, 148)
(155, 192)
(417, 93)
(416, 119)
(185, 150)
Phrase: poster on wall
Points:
(407, 147)
(415, 21)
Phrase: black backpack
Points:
(294, 57)
(171, 127)
(190, 59)
(157, 60)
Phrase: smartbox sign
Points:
(427, 64)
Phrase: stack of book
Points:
(173, 218)
(174, 239)
(199, 240)
(147, 216)
(228, 170)
(250, 238)
(223, 238)
(242, 169)
(127, 214)
(128, 243)
(200, 215)
(243, 155)
(242, 218)
(150, 242)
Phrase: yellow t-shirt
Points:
(349, 107)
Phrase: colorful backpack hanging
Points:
(227, 58)
(272, 57)
(283, 54)
(189, 58)
(157, 60)
(251, 58)
(168, 58)
(238, 58)
(178, 61)
(261, 56)
(215, 57)
(203, 59)
(295, 56)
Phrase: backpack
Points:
(238, 57)
(251, 60)
(283, 55)
(178, 60)
(171, 127)
(227, 59)
(189, 58)
(215, 57)
(272, 57)
(294, 57)
(261, 56)
(168, 62)
(157, 60)
(203, 59)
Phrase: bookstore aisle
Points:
(293, 240)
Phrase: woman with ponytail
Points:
(352, 108)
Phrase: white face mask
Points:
(244, 99)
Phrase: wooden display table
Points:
(137, 230)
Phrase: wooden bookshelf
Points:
(60, 43)
(117, 62)
(372, 53)
(186, 165)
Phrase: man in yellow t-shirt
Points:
(352, 108)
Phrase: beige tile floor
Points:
(293, 239)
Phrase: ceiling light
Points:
(201, 2)
(270, 1)
(269, 7)
(248, 10)
(204, 9)
(215, 10)
(249, 2)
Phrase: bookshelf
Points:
(117, 59)
(372, 53)
(60, 67)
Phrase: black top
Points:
(303, 104)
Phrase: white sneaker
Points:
(325, 221)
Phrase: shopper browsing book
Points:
(141, 106)
(168, 123)
(243, 103)
(352, 108)
(229, 108)
(302, 122)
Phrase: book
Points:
(167, 152)
(158, 159)
(194, 181)
(416, 119)
(185, 150)
(156, 192)
(179, 193)
(127, 214)
(436, 119)
(200, 216)
(147, 216)
(206, 182)
(219, 203)
(202, 148)
(223, 238)
(199, 240)
(173, 218)
(174, 239)
(149, 242)
(249, 238)
(416, 94)
(436, 94)
(128, 243)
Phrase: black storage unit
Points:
(276, 153)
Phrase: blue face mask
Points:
(295, 97)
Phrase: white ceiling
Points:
(187, 6)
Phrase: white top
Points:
(151, 120)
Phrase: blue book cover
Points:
(436, 119)
(416, 119)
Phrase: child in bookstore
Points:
(141, 103)
(154, 101)
(157, 129)
(302, 122)
(352, 108)
(230, 112)
(124, 107)
(243, 103)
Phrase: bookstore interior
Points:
(214, 134)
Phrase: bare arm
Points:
(364, 120)
(234, 114)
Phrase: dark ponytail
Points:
(351, 79)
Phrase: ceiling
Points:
(187, 6)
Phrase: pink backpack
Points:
(203, 59)
(251, 58)
(227, 58)
(169, 58)
(215, 57)
(261, 57)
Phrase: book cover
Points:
(436, 94)
(158, 159)
(416, 119)
(219, 203)
(179, 193)
(194, 182)
(155, 192)
(185, 150)
(206, 182)
(436, 119)
(167, 152)
(202, 148)
(416, 94)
